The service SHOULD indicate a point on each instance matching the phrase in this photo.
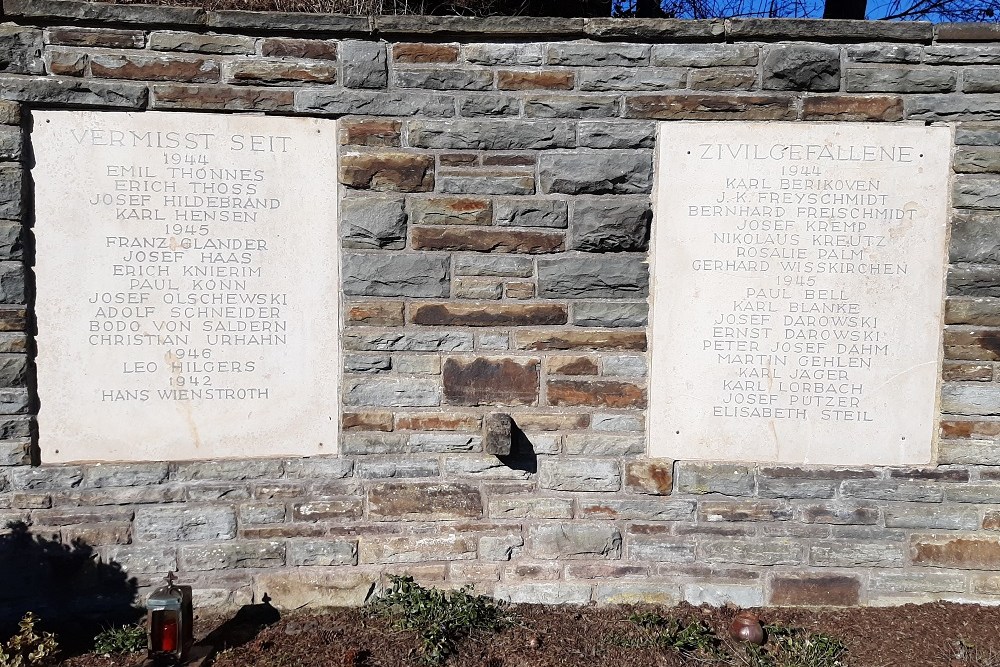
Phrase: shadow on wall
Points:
(71, 590)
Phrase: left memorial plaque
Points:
(186, 285)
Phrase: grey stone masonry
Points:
(496, 179)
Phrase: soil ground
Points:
(930, 635)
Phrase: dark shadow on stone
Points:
(244, 626)
(522, 453)
(72, 591)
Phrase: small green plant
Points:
(689, 639)
(28, 648)
(126, 639)
(440, 618)
(794, 647)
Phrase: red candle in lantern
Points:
(168, 635)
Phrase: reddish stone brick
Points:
(710, 107)
(458, 159)
(966, 553)
(816, 591)
(535, 80)
(424, 53)
(969, 428)
(280, 71)
(437, 421)
(355, 132)
(974, 345)
(519, 290)
(67, 63)
(853, 107)
(154, 68)
(992, 520)
(482, 240)
(169, 96)
(367, 421)
(572, 340)
(389, 501)
(13, 319)
(490, 381)
(966, 372)
(316, 49)
(598, 393)
(571, 366)
(650, 476)
(376, 313)
(488, 315)
(101, 37)
(401, 172)
(509, 160)
(451, 211)
(95, 535)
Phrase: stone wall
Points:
(496, 176)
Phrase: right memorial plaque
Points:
(798, 291)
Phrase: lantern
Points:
(170, 617)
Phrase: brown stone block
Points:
(437, 421)
(983, 311)
(816, 591)
(451, 211)
(101, 37)
(972, 344)
(519, 290)
(490, 381)
(992, 520)
(367, 421)
(572, 340)
(551, 422)
(575, 365)
(488, 314)
(283, 530)
(458, 159)
(535, 80)
(260, 71)
(316, 49)
(487, 240)
(13, 319)
(965, 553)
(598, 393)
(650, 476)
(953, 371)
(408, 501)
(743, 510)
(839, 514)
(355, 132)
(424, 53)
(969, 429)
(710, 107)
(853, 107)
(401, 172)
(229, 98)
(376, 313)
(67, 63)
(96, 535)
(509, 160)
(154, 68)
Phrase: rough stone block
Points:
(491, 381)
(422, 53)
(185, 523)
(598, 393)
(494, 135)
(100, 475)
(489, 105)
(899, 80)
(952, 107)
(800, 67)
(885, 53)
(579, 340)
(21, 50)
(142, 559)
(559, 541)
(416, 275)
(11, 191)
(496, 265)
(543, 593)
(723, 78)
(230, 470)
(631, 78)
(571, 106)
(712, 511)
(975, 160)
(170, 40)
(500, 548)
(815, 591)
(720, 595)
(230, 555)
(451, 211)
(840, 514)
(334, 101)
(373, 222)
(705, 55)
(931, 517)
(530, 508)
(770, 552)
(279, 72)
(575, 365)
(71, 91)
(609, 134)
(611, 225)
(256, 513)
(706, 106)
(723, 478)
(364, 64)
(503, 54)
(845, 553)
(579, 475)
(392, 392)
(416, 501)
(326, 510)
(963, 399)
(487, 240)
(445, 442)
(108, 38)
(367, 363)
(219, 97)
(981, 80)
(365, 132)
(45, 478)
(417, 548)
(401, 172)
(586, 277)
(852, 107)
(632, 510)
(446, 341)
(535, 80)
(964, 552)
(482, 467)
(325, 553)
(962, 54)
(315, 587)
(154, 68)
(596, 172)
(488, 315)
(398, 468)
(576, 54)
(659, 548)
(451, 78)
(903, 491)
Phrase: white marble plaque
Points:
(798, 289)
(187, 285)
